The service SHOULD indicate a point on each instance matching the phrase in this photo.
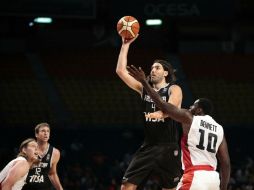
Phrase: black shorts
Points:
(25, 187)
(162, 161)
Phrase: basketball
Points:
(128, 27)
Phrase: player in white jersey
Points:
(203, 139)
(13, 176)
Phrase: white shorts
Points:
(199, 180)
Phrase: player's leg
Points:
(208, 179)
(169, 167)
(139, 169)
(196, 180)
(186, 181)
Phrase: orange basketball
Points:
(128, 27)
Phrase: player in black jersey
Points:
(160, 153)
(202, 144)
(43, 175)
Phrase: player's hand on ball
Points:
(129, 41)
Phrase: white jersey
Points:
(20, 183)
(202, 143)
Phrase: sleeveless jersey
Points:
(19, 184)
(38, 175)
(201, 144)
(159, 130)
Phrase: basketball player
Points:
(160, 153)
(203, 139)
(13, 176)
(42, 176)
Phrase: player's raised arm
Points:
(127, 28)
(122, 64)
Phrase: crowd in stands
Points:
(96, 160)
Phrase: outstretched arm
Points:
(53, 170)
(225, 167)
(180, 115)
(121, 67)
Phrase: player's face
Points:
(31, 151)
(157, 73)
(194, 109)
(43, 134)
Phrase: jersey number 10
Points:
(212, 141)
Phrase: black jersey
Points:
(159, 130)
(37, 178)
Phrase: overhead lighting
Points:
(153, 22)
(45, 20)
(30, 24)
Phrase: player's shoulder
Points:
(55, 155)
(56, 151)
(20, 158)
(175, 87)
(21, 162)
(211, 120)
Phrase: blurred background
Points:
(61, 70)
